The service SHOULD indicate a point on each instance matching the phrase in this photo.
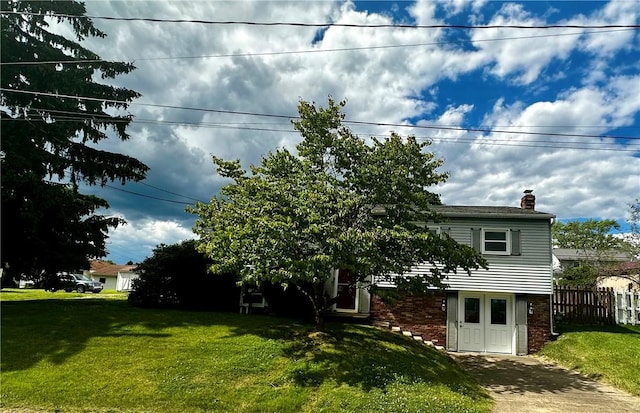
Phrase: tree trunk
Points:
(317, 301)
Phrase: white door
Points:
(499, 323)
(485, 323)
(471, 323)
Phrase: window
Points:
(498, 311)
(434, 230)
(496, 241)
(471, 310)
(103, 280)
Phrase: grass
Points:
(609, 353)
(85, 352)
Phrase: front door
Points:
(485, 323)
(471, 331)
(346, 292)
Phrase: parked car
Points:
(74, 282)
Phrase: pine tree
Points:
(54, 115)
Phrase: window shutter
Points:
(515, 242)
(475, 239)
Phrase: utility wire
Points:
(432, 127)
(87, 115)
(346, 49)
(329, 24)
(628, 147)
(169, 192)
(238, 126)
(148, 196)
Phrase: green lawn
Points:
(93, 352)
(610, 353)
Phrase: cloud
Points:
(581, 84)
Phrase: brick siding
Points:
(420, 314)
(538, 323)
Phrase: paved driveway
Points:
(528, 384)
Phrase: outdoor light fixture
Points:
(444, 305)
(530, 308)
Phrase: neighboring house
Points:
(112, 276)
(622, 276)
(505, 309)
(565, 258)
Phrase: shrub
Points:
(176, 276)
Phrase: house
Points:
(505, 309)
(565, 258)
(623, 276)
(112, 276)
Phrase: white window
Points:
(433, 230)
(496, 241)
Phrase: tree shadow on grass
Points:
(55, 330)
(368, 358)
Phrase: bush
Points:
(176, 276)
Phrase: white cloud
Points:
(544, 85)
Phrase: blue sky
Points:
(467, 86)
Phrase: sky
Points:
(555, 110)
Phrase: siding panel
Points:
(530, 272)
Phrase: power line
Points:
(169, 192)
(148, 196)
(88, 115)
(461, 140)
(431, 127)
(308, 51)
(329, 24)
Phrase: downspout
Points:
(554, 334)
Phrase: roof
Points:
(574, 254)
(464, 211)
(99, 267)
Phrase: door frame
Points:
(485, 315)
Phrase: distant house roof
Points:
(464, 211)
(99, 267)
(574, 254)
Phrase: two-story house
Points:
(503, 309)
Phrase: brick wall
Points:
(420, 314)
(538, 323)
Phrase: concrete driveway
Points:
(528, 384)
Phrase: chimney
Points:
(528, 200)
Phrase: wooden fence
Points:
(584, 305)
(628, 307)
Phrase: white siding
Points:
(529, 273)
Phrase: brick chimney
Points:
(528, 200)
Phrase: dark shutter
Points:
(515, 242)
(475, 239)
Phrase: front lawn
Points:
(610, 353)
(86, 352)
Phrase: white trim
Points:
(507, 241)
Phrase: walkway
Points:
(528, 384)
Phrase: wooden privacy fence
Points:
(584, 305)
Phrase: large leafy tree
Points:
(56, 106)
(339, 203)
(594, 240)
